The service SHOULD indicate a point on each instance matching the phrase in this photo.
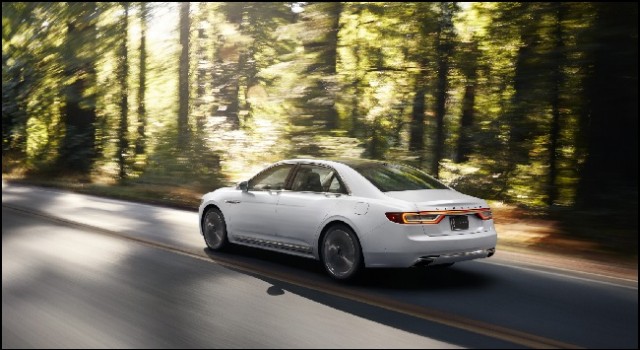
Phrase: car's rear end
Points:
(431, 235)
(421, 221)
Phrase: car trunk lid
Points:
(444, 199)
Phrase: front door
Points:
(253, 213)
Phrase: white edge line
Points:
(569, 276)
(574, 271)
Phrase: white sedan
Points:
(350, 215)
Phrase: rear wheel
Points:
(341, 253)
(214, 229)
(444, 265)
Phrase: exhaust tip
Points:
(424, 261)
(490, 252)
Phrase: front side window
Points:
(316, 179)
(271, 179)
(395, 177)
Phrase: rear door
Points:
(314, 191)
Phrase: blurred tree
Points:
(518, 42)
(425, 16)
(609, 177)
(355, 115)
(534, 101)
(557, 82)
(526, 80)
(142, 81)
(227, 63)
(319, 35)
(123, 75)
(264, 47)
(375, 73)
(19, 73)
(201, 64)
(468, 65)
(77, 149)
(246, 44)
(183, 77)
(444, 48)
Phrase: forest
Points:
(532, 104)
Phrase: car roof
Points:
(351, 162)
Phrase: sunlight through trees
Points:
(530, 103)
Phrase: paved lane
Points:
(64, 287)
(494, 296)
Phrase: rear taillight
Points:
(422, 218)
(395, 217)
(434, 217)
(415, 218)
(485, 214)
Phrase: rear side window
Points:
(395, 177)
(316, 179)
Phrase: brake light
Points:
(485, 214)
(422, 218)
(434, 217)
(395, 217)
(415, 218)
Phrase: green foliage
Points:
(28, 64)
(504, 100)
(195, 165)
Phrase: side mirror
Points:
(243, 186)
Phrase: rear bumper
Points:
(404, 246)
(454, 257)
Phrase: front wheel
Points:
(214, 229)
(341, 253)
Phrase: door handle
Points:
(232, 201)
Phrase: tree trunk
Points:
(416, 134)
(142, 118)
(332, 61)
(444, 46)
(183, 77)
(322, 43)
(466, 123)
(227, 63)
(416, 126)
(77, 148)
(469, 68)
(356, 97)
(525, 82)
(123, 143)
(556, 85)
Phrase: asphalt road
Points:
(83, 271)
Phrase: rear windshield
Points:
(395, 177)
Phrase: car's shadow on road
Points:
(424, 278)
(307, 278)
(418, 278)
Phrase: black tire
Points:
(445, 265)
(214, 229)
(341, 253)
